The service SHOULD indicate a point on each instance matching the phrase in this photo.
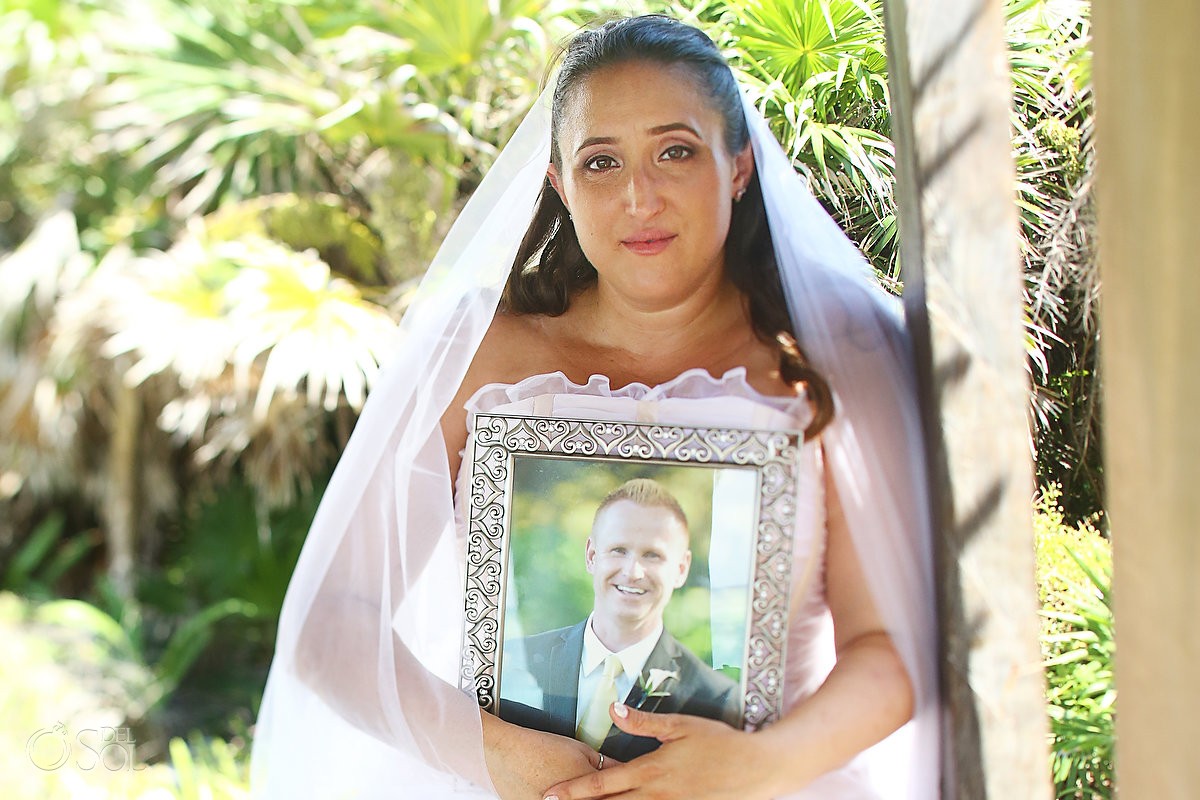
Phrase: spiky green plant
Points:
(818, 70)
(1074, 567)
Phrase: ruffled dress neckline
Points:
(728, 400)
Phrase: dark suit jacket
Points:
(553, 660)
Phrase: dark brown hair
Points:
(551, 268)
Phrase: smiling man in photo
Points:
(637, 555)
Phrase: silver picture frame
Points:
(766, 461)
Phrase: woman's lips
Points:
(648, 244)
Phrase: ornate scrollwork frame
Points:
(500, 438)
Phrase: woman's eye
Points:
(676, 152)
(599, 163)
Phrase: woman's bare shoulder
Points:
(513, 348)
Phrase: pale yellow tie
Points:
(595, 722)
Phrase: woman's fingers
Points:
(612, 780)
(664, 727)
(700, 759)
(616, 778)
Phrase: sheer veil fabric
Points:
(363, 697)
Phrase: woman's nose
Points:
(645, 197)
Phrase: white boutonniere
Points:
(654, 683)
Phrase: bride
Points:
(669, 255)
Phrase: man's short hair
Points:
(644, 492)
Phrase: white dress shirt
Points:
(591, 667)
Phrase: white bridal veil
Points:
(363, 698)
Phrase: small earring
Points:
(740, 192)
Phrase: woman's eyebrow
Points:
(674, 126)
(591, 140)
(657, 130)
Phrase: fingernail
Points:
(622, 711)
(550, 797)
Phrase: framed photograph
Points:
(667, 546)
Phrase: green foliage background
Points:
(1074, 572)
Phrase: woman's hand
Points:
(522, 762)
(699, 759)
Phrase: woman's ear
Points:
(556, 181)
(743, 169)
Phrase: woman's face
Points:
(648, 180)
